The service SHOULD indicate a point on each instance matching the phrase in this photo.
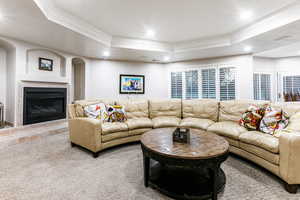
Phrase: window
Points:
(227, 83)
(262, 86)
(208, 83)
(176, 85)
(191, 84)
(291, 88)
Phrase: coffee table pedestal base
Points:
(184, 183)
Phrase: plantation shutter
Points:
(227, 83)
(176, 85)
(208, 83)
(256, 86)
(262, 86)
(191, 84)
(265, 85)
(291, 84)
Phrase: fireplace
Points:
(44, 104)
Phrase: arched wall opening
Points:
(8, 80)
(78, 78)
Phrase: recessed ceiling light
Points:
(106, 53)
(150, 33)
(246, 15)
(166, 58)
(247, 48)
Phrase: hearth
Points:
(44, 104)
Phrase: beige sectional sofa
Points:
(280, 155)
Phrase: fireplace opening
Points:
(44, 104)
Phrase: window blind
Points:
(227, 83)
(208, 83)
(176, 85)
(191, 84)
(256, 87)
(291, 84)
(262, 86)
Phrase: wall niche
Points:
(33, 73)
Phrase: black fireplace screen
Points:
(44, 104)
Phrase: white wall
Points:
(32, 71)
(11, 86)
(33, 63)
(3, 76)
(244, 69)
(102, 79)
(288, 65)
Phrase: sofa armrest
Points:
(86, 132)
(289, 147)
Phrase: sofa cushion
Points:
(115, 135)
(262, 140)
(233, 110)
(229, 129)
(290, 108)
(79, 105)
(196, 123)
(135, 123)
(135, 108)
(167, 108)
(260, 152)
(160, 122)
(139, 131)
(111, 127)
(200, 108)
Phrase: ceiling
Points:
(173, 20)
(184, 31)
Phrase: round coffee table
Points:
(184, 171)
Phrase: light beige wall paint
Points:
(102, 79)
(3, 76)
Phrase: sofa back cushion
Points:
(200, 108)
(233, 110)
(165, 108)
(290, 108)
(135, 108)
(79, 105)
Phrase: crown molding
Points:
(205, 43)
(282, 17)
(146, 45)
(73, 23)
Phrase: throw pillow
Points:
(96, 111)
(252, 117)
(273, 120)
(116, 113)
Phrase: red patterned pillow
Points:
(252, 117)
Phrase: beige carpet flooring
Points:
(48, 168)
